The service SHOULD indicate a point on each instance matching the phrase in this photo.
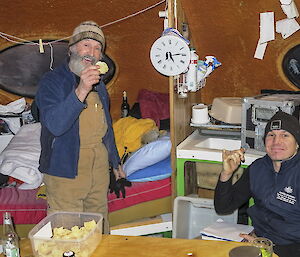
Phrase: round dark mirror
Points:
(22, 66)
(291, 65)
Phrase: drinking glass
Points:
(265, 245)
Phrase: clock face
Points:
(170, 55)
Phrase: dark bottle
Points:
(124, 106)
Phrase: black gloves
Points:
(119, 185)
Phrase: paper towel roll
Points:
(200, 114)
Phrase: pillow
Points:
(148, 155)
(157, 171)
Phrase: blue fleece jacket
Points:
(59, 109)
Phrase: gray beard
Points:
(75, 63)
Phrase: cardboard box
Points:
(191, 214)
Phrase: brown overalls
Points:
(88, 191)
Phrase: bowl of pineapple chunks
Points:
(80, 232)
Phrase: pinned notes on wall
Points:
(267, 33)
(285, 27)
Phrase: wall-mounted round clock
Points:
(170, 55)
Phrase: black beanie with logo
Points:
(284, 121)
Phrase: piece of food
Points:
(103, 68)
(51, 249)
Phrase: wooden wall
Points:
(128, 41)
(229, 30)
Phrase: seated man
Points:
(274, 183)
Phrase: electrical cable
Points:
(26, 42)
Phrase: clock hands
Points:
(171, 57)
(169, 54)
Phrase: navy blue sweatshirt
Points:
(276, 212)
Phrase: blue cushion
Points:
(148, 155)
(157, 171)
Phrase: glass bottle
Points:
(124, 106)
(10, 237)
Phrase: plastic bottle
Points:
(10, 237)
(191, 75)
(124, 106)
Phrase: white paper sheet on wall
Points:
(287, 27)
(267, 33)
(286, 2)
(290, 10)
(260, 50)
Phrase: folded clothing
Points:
(20, 158)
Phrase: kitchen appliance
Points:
(257, 111)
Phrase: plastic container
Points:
(227, 109)
(192, 214)
(191, 75)
(43, 245)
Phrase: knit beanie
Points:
(284, 121)
(87, 30)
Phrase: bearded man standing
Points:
(77, 138)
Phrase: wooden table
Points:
(142, 246)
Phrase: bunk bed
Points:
(148, 196)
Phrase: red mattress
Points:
(26, 208)
(140, 192)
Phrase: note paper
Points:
(290, 10)
(287, 27)
(260, 50)
(267, 32)
(225, 231)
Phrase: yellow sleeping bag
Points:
(129, 131)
